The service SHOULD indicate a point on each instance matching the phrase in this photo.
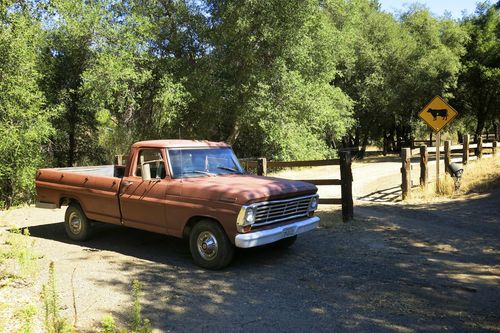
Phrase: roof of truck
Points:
(179, 143)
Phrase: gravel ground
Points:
(400, 268)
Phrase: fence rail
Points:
(467, 149)
(345, 181)
(487, 137)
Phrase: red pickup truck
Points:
(191, 189)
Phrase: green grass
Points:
(54, 322)
(137, 323)
(21, 248)
(26, 315)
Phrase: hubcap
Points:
(207, 245)
(75, 223)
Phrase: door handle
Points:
(127, 183)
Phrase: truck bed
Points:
(95, 188)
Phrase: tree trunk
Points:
(234, 133)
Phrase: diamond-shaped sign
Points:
(437, 113)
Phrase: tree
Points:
(273, 64)
(24, 118)
(479, 83)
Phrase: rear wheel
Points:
(77, 225)
(209, 245)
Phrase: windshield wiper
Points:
(230, 169)
(203, 172)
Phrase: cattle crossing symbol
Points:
(437, 114)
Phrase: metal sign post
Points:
(438, 158)
(437, 114)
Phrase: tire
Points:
(209, 245)
(286, 242)
(77, 225)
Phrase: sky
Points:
(437, 7)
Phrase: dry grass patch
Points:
(479, 176)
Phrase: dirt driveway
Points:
(399, 268)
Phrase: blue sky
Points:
(437, 7)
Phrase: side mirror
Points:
(146, 172)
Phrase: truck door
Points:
(143, 202)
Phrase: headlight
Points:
(313, 205)
(246, 218)
(249, 216)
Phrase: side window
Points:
(155, 161)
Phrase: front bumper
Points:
(267, 236)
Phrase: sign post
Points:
(437, 114)
(438, 157)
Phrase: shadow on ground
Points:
(394, 269)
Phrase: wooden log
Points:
(290, 164)
(447, 156)
(465, 151)
(346, 186)
(406, 172)
(424, 172)
(262, 166)
(323, 181)
(328, 201)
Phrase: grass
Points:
(21, 248)
(479, 176)
(482, 175)
(54, 322)
(137, 323)
(26, 315)
(18, 266)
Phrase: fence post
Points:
(447, 156)
(262, 166)
(406, 172)
(465, 149)
(480, 147)
(494, 150)
(118, 160)
(424, 173)
(346, 186)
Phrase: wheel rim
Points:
(207, 245)
(75, 223)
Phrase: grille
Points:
(281, 210)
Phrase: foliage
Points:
(54, 322)
(26, 315)
(478, 92)
(137, 323)
(24, 119)
(81, 80)
(21, 249)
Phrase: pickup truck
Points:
(189, 189)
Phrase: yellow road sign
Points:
(437, 113)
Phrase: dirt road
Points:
(397, 268)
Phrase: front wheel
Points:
(77, 225)
(209, 245)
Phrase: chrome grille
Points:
(281, 210)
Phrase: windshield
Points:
(197, 162)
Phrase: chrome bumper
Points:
(275, 234)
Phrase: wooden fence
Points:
(466, 149)
(487, 137)
(345, 181)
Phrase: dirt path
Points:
(397, 268)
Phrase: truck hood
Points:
(242, 189)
